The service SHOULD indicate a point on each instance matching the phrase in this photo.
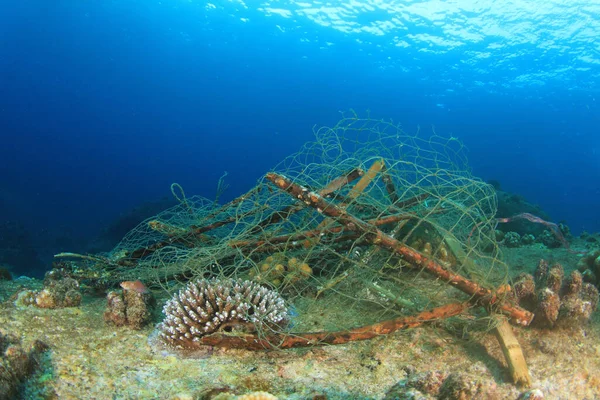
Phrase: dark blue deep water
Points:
(103, 104)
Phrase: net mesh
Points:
(418, 191)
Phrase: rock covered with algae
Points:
(442, 385)
(589, 266)
(16, 363)
(131, 306)
(59, 291)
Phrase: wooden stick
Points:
(513, 353)
(389, 184)
(367, 178)
(316, 232)
(165, 228)
(98, 259)
(356, 191)
(411, 201)
(362, 207)
(276, 217)
(298, 244)
(334, 185)
(394, 208)
(293, 340)
(376, 236)
(194, 233)
(341, 181)
(232, 203)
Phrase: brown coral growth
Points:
(131, 307)
(556, 301)
(59, 291)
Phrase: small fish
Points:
(136, 286)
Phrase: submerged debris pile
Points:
(366, 231)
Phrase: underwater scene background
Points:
(299, 200)
(106, 103)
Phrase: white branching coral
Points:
(220, 305)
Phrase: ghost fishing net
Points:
(364, 231)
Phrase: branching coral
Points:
(554, 300)
(207, 306)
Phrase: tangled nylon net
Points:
(365, 224)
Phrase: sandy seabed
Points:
(90, 359)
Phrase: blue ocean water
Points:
(104, 104)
